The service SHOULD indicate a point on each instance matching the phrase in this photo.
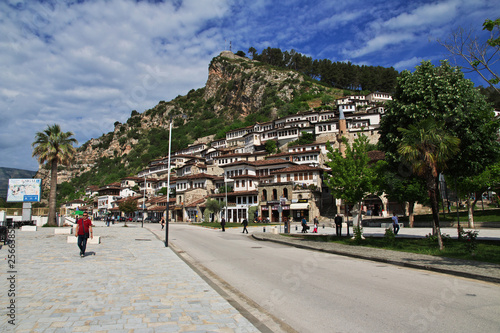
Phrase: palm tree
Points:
(427, 147)
(53, 147)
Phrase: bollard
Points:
(296, 228)
(264, 229)
(323, 226)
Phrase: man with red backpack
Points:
(83, 230)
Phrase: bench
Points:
(28, 228)
(63, 231)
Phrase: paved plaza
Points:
(132, 283)
(128, 283)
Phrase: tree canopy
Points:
(52, 146)
(443, 94)
(343, 75)
(427, 147)
(351, 176)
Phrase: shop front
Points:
(300, 210)
(271, 211)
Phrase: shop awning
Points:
(297, 206)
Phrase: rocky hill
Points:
(238, 92)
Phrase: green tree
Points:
(351, 177)
(271, 147)
(427, 147)
(128, 206)
(442, 93)
(53, 147)
(215, 207)
(163, 191)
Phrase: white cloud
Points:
(85, 65)
(408, 64)
(88, 65)
(380, 42)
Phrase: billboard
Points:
(24, 190)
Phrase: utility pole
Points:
(168, 183)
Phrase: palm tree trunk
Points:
(51, 221)
(470, 210)
(411, 213)
(433, 188)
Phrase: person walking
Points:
(395, 223)
(162, 222)
(108, 220)
(338, 225)
(223, 224)
(304, 225)
(316, 223)
(245, 224)
(83, 230)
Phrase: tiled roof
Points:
(297, 168)
(197, 176)
(195, 203)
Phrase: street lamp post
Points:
(143, 201)
(168, 182)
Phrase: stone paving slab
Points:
(128, 283)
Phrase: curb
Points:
(388, 261)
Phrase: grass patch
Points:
(487, 250)
(488, 215)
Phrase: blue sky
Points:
(87, 64)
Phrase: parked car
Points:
(152, 219)
(123, 218)
(137, 219)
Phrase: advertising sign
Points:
(24, 190)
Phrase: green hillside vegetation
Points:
(316, 84)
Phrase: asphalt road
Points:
(318, 292)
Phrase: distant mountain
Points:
(7, 173)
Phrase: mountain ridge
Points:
(239, 92)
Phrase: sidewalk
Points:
(129, 283)
(464, 268)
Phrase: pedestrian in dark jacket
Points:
(223, 224)
(304, 225)
(245, 224)
(338, 225)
